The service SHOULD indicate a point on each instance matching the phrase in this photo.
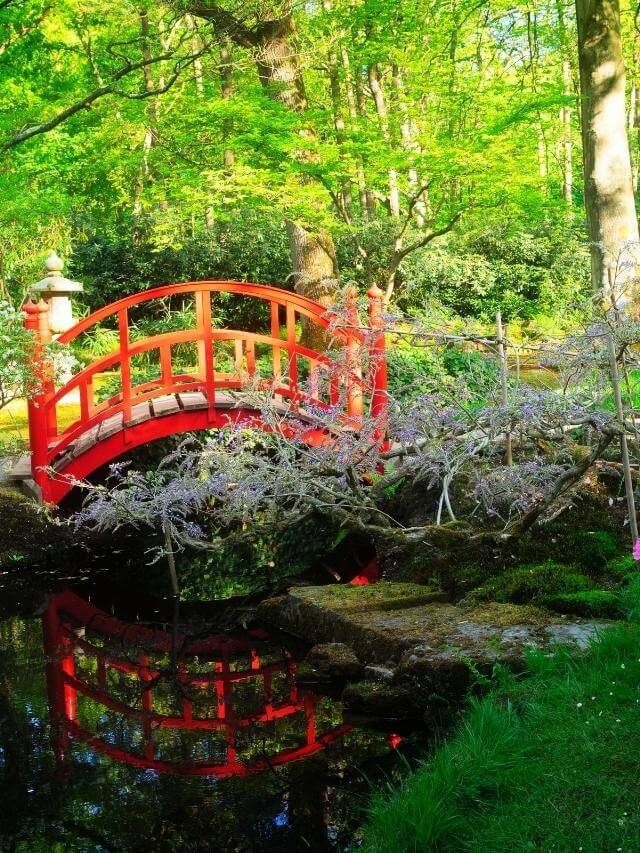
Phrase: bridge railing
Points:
(300, 376)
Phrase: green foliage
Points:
(622, 568)
(416, 370)
(592, 602)
(565, 734)
(592, 550)
(528, 275)
(258, 564)
(16, 355)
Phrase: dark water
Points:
(141, 735)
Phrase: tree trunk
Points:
(383, 117)
(313, 258)
(353, 116)
(608, 190)
(339, 125)
(149, 136)
(567, 144)
(409, 144)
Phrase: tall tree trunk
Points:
(353, 116)
(340, 127)
(565, 112)
(608, 190)
(567, 143)
(313, 257)
(383, 117)
(409, 144)
(361, 106)
(152, 123)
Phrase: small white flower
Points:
(579, 705)
(622, 666)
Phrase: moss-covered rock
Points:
(593, 602)
(622, 568)
(335, 661)
(593, 549)
(525, 584)
(29, 536)
(434, 646)
(384, 700)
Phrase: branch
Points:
(24, 30)
(401, 254)
(566, 479)
(226, 23)
(99, 92)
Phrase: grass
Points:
(14, 427)
(545, 761)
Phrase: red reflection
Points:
(204, 664)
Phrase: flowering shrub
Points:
(16, 355)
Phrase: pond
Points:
(174, 733)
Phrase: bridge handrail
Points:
(266, 292)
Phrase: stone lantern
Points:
(56, 291)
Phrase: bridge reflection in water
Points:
(171, 703)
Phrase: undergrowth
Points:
(547, 760)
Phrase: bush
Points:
(527, 274)
(592, 602)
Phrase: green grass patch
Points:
(546, 761)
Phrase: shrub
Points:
(591, 602)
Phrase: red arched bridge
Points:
(199, 396)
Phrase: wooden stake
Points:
(504, 389)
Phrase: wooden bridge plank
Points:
(140, 413)
(110, 426)
(84, 442)
(191, 400)
(166, 405)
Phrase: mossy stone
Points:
(593, 602)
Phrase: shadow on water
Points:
(147, 735)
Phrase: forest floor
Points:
(547, 760)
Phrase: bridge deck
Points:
(159, 407)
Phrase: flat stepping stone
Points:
(431, 643)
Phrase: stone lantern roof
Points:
(55, 282)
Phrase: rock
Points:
(382, 700)
(379, 673)
(436, 646)
(334, 660)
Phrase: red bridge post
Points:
(378, 361)
(354, 372)
(40, 420)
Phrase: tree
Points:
(272, 42)
(608, 185)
